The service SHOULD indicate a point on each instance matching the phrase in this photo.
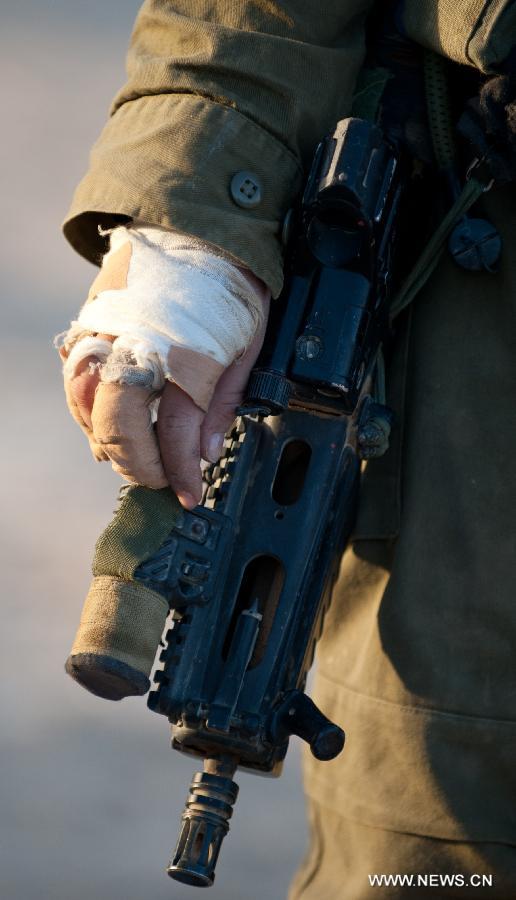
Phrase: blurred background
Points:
(91, 793)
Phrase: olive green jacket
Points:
(220, 88)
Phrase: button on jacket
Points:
(219, 88)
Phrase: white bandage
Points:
(179, 293)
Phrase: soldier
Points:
(188, 186)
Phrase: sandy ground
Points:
(91, 793)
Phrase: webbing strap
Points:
(368, 92)
(441, 129)
(425, 265)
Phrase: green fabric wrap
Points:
(121, 620)
(142, 522)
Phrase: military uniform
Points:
(417, 657)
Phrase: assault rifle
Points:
(249, 572)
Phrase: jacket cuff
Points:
(474, 32)
(169, 160)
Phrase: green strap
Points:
(473, 189)
(368, 92)
(379, 391)
(438, 107)
(443, 141)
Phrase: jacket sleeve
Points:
(473, 32)
(216, 89)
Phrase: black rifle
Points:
(249, 573)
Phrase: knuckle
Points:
(224, 411)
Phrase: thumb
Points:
(228, 395)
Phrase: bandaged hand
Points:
(167, 319)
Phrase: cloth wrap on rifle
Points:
(122, 620)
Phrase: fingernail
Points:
(187, 501)
(215, 447)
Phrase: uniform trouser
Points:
(347, 860)
(418, 656)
